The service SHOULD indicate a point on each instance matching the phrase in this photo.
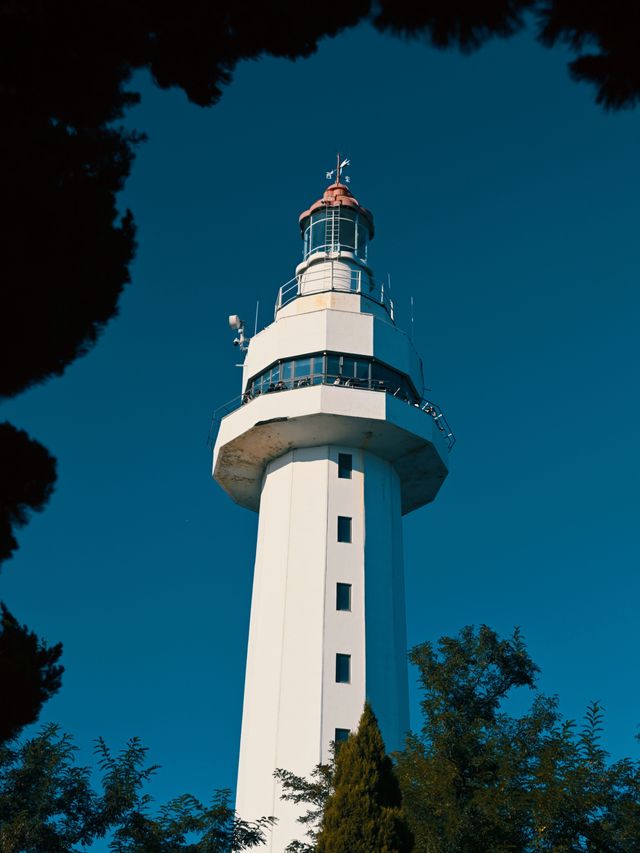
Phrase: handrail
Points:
(326, 278)
(426, 406)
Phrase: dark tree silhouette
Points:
(605, 33)
(29, 675)
(29, 671)
(28, 474)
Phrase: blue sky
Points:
(506, 204)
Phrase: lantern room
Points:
(336, 224)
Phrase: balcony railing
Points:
(331, 277)
(424, 405)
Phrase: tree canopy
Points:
(354, 801)
(48, 805)
(477, 778)
(29, 675)
(364, 810)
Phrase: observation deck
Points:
(333, 275)
(412, 438)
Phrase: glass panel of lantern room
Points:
(347, 231)
(318, 231)
(361, 246)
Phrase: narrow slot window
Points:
(341, 736)
(344, 528)
(343, 668)
(345, 466)
(343, 596)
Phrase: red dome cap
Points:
(335, 196)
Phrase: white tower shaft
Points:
(293, 703)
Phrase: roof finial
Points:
(340, 164)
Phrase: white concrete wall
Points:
(292, 703)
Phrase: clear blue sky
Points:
(507, 204)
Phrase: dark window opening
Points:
(341, 736)
(345, 466)
(343, 668)
(343, 596)
(344, 528)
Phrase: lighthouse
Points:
(331, 442)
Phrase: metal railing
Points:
(329, 277)
(424, 405)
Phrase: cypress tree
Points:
(364, 812)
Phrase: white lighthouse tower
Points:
(331, 442)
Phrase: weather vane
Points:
(340, 165)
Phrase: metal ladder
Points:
(332, 233)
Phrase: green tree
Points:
(363, 813)
(477, 778)
(48, 805)
(313, 792)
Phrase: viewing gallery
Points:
(326, 368)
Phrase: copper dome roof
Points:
(335, 196)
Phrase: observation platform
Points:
(406, 434)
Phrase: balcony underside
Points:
(266, 428)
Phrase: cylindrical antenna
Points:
(412, 318)
(255, 328)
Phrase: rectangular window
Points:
(343, 596)
(343, 668)
(345, 466)
(341, 736)
(344, 528)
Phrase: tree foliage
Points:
(48, 805)
(29, 675)
(29, 671)
(314, 793)
(477, 778)
(28, 476)
(355, 800)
